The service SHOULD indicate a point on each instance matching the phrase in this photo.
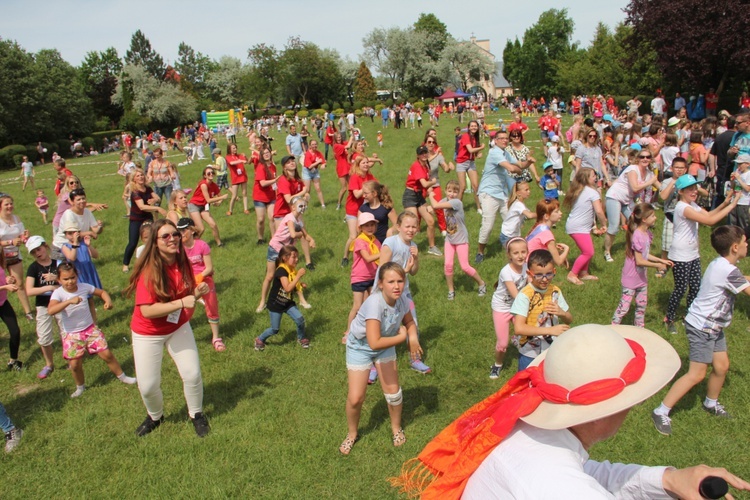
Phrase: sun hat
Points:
(34, 242)
(685, 182)
(70, 226)
(673, 121)
(364, 218)
(555, 138)
(607, 118)
(569, 364)
(216, 151)
(547, 164)
(742, 158)
(635, 147)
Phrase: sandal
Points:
(575, 280)
(590, 277)
(218, 344)
(229, 212)
(399, 438)
(346, 446)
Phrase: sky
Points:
(232, 27)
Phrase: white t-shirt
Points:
(711, 311)
(84, 222)
(10, 232)
(668, 154)
(685, 237)
(745, 198)
(658, 105)
(514, 220)
(75, 317)
(400, 254)
(501, 299)
(375, 307)
(620, 189)
(581, 217)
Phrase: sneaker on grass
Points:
(717, 411)
(662, 423)
(434, 251)
(419, 366)
(148, 425)
(201, 424)
(495, 371)
(13, 439)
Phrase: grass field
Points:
(277, 416)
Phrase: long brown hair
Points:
(154, 272)
(641, 212)
(577, 185)
(382, 191)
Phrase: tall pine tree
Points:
(364, 87)
(140, 53)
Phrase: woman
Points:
(70, 183)
(589, 155)
(143, 203)
(330, 133)
(436, 161)
(178, 206)
(236, 163)
(161, 173)
(165, 296)
(469, 145)
(206, 193)
(314, 162)
(585, 205)
(264, 196)
(341, 155)
(12, 235)
(518, 150)
(418, 182)
(359, 175)
(621, 196)
(518, 125)
(304, 134)
(77, 215)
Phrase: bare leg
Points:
(16, 270)
(389, 382)
(112, 363)
(76, 369)
(233, 198)
(474, 179)
(355, 398)
(198, 221)
(316, 183)
(213, 225)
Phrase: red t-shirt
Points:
(745, 102)
(313, 156)
(59, 183)
(237, 172)
(355, 183)
(416, 172)
(285, 186)
(712, 100)
(198, 198)
(328, 139)
(145, 296)
(517, 126)
(463, 153)
(342, 165)
(260, 193)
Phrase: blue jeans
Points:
(163, 192)
(5, 422)
(293, 313)
(524, 362)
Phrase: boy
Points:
(708, 316)
(220, 168)
(741, 177)
(549, 182)
(538, 310)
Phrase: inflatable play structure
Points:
(214, 118)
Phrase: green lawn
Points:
(277, 416)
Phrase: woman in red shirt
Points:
(359, 175)
(165, 295)
(206, 193)
(313, 164)
(328, 140)
(264, 196)
(468, 146)
(237, 172)
(289, 186)
(341, 154)
(417, 183)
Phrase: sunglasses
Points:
(170, 236)
(209, 174)
(429, 142)
(545, 276)
(593, 135)
(645, 157)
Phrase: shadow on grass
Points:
(417, 401)
(222, 396)
(27, 406)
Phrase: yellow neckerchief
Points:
(371, 246)
(292, 274)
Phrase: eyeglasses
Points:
(429, 142)
(73, 183)
(545, 276)
(209, 174)
(593, 135)
(645, 157)
(170, 236)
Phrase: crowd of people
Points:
(622, 167)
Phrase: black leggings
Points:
(8, 315)
(134, 233)
(686, 275)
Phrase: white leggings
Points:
(148, 351)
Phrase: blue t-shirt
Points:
(550, 186)
(496, 181)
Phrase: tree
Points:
(224, 84)
(141, 54)
(193, 69)
(348, 70)
(308, 75)
(364, 88)
(689, 51)
(261, 82)
(511, 63)
(468, 63)
(98, 74)
(431, 25)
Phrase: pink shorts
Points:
(76, 344)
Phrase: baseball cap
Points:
(685, 182)
(34, 242)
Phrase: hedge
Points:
(8, 153)
(98, 137)
(303, 113)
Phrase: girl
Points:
(264, 196)
(314, 162)
(42, 204)
(637, 258)
(359, 174)
(418, 182)
(178, 206)
(585, 205)
(698, 156)
(341, 155)
(199, 254)
(8, 316)
(288, 230)
(366, 250)
(286, 279)
(236, 163)
(206, 193)
(290, 185)
(383, 321)
(457, 239)
(145, 235)
(330, 133)
(684, 251)
(41, 281)
(669, 152)
(517, 212)
(165, 295)
(143, 203)
(79, 252)
(511, 279)
(81, 334)
(12, 235)
(436, 161)
(378, 202)
(541, 237)
(468, 146)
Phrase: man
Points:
(717, 160)
(658, 106)
(679, 102)
(712, 102)
(535, 444)
(294, 145)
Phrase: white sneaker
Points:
(608, 258)
(435, 251)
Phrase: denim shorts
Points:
(262, 204)
(272, 254)
(614, 208)
(466, 166)
(309, 174)
(360, 357)
(192, 208)
(412, 199)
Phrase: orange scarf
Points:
(445, 465)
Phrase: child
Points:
(549, 182)
(555, 156)
(8, 315)
(638, 239)
(741, 177)
(42, 204)
(12, 433)
(222, 173)
(145, 234)
(359, 174)
(366, 252)
(457, 237)
(517, 212)
(81, 334)
(669, 152)
(512, 278)
(685, 252)
(548, 214)
(380, 138)
(538, 310)
(285, 280)
(707, 318)
(79, 252)
(199, 254)
(288, 230)
(383, 322)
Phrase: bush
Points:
(388, 103)
(325, 107)
(133, 121)
(88, 143)
(32, 153)
(358, 105)
(338, 111)
(372, 104)
(358, 112)
(17, 160)
(419, 105)
(379, 107)
(62, 146)
(102, 123)
(289, 113)
(8, 153)
(303, 113)
(428, 101)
